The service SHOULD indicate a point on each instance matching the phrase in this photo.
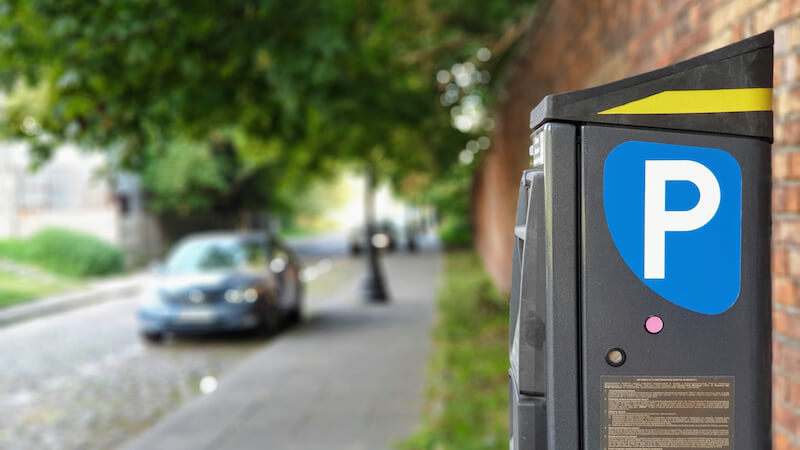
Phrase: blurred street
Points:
(84, 379)
(351, 377)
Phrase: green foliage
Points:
(65, 252)
(185, 178)
(467, 404)
(451, 196)
(455, 232)
(298, 88)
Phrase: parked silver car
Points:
(222, 281)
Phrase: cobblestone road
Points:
(83, 379)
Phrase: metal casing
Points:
(614, 302)
(743, 65)
(544, 300)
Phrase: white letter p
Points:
(657, 220)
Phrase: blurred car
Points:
(384, 235)
(222, 281)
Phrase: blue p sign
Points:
(675, 216)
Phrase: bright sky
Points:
(352, 214)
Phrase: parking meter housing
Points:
(640, 312)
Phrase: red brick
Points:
(794, 165)
(788, 9)
(786, 101)
(780, 165)
(780, 321)
(794, 394)
(791, 71)
(784, 417)
(793, 259)
(767, 16)
(780, 261)
(783, 290)
(787, 69)
(781, 442)
(781, 387)
(793, 325)
(792, 199)
(786, 231)
(790, 359)
(788, 133)
(779, 198)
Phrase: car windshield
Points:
(209, 255)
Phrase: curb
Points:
(102, 292)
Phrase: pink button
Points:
(654, 325)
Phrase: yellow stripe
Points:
(699, 101)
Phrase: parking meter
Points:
(640, 304)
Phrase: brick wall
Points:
(581, 43)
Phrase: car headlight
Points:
(151, 294)
(152, 300)
(247, 295)
(156, 307)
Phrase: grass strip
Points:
(16, 289)
(467, 386)
(65, 252)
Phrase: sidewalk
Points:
(350, 377)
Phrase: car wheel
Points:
(153, 337)
(296, 313)
(270, 323)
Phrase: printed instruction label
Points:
(668, 412)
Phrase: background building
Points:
(74, 190)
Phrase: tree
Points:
(294, 87)
(285, 88)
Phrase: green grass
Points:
(16, 289)
(467, 393)
(64, 252)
